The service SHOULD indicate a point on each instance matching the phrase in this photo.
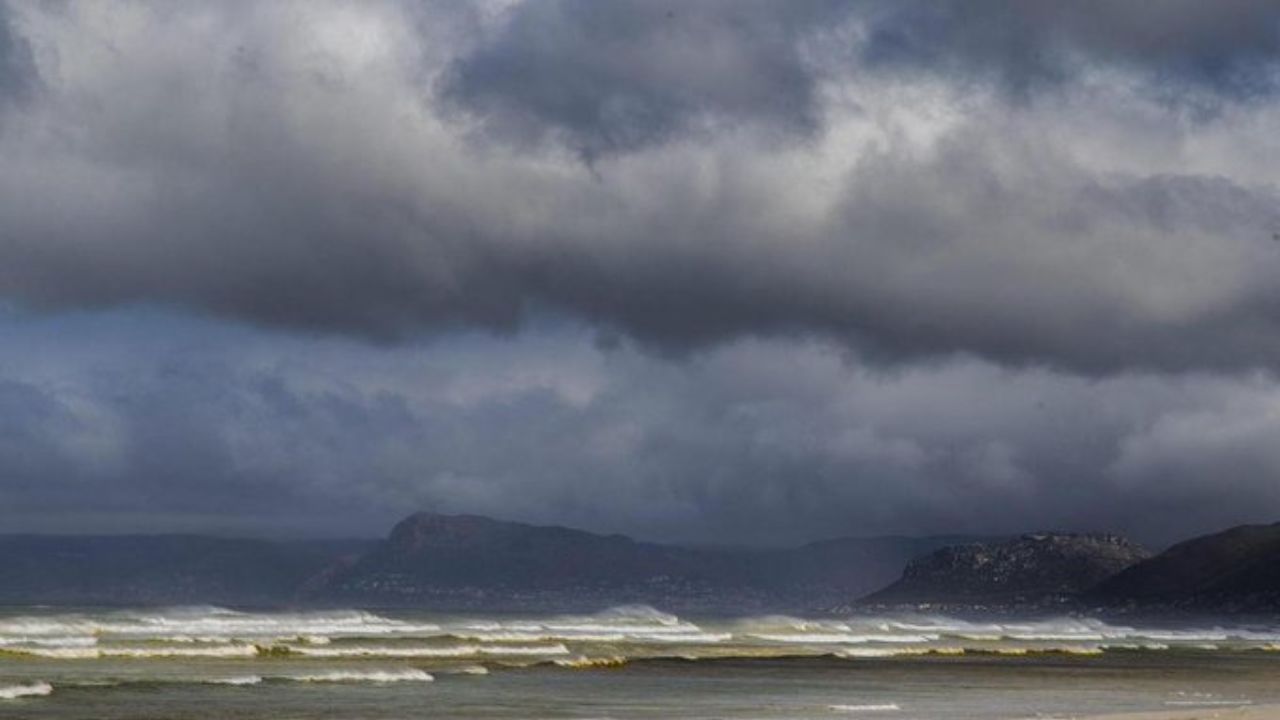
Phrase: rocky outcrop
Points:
(1038, 569)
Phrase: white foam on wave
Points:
(692, 638)
(208, 624)
(890, 652)
(881, 707)
(93, 653)
(690, 634)
(509, 636)
(844, 638)
(36, 689)
(627, 622)
(212, 632)
(370, 676)
(583, 662)
(239, 680)
(217, 651)
(453, 651)
(70, 641)
(1088, 631)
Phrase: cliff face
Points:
(1030, 570)
(1237, 570)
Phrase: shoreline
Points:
(1239, 712)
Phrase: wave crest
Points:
(35, 689)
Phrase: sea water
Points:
(629, 662)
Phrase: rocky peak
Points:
(426, 529)
(1031, 569)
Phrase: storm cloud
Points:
(887, 266)
(308, 167)
(1225, 49)
(16, 66)
(217, 428)
(619, 76)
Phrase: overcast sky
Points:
(713, 271)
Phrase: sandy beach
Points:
(1251, 712)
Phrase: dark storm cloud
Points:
(911, 267)
(1227, 47)
(291, 167)
(17, 70)
(137, 422)
(621, 75)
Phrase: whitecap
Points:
(372, 676)
(13, 692)
(239, 680)
(427, 652)
(843, 638)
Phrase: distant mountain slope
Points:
(160, 569)
(1029, 570)
(1237, 569)
(467, 560)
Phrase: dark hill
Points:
(470, 561)
(1234, 570)
(1031, 570)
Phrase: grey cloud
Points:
(753, 442)
(1227, 47)
(312, 189)
(621, 75)
(617, 76)
(34, 434)
(17, 68)
(928, 309)
(1029, 259)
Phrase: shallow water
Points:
(622, 663)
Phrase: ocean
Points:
(627, 662)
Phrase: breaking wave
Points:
(370, 676)
(631, 633)
(582, 663)
(240, 680)
(13, 692)
(206, 624)
(429, 652)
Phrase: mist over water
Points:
(632, 661)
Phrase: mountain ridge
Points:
(1237, 569)
(472, 561)
(468, 560)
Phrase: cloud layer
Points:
(685, 176)
(143, 420)
(834, 256)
